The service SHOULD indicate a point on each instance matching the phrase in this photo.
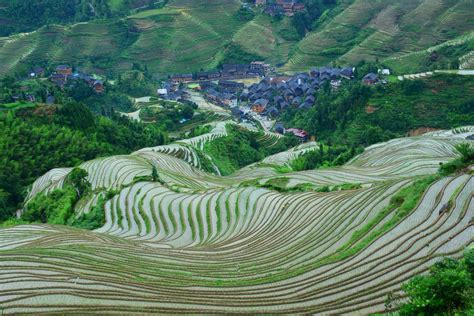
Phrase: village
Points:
(279, 7)
(255, 94)
(61, 76)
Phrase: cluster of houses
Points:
(269, 97)
(61, 76)
(25, 95)
(273, 95)
(225, 93)
(64, 74)
(171, 91)
(228, 71)
(281, 7)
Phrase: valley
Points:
(241, 157)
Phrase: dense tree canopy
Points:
(242, 147)
(305, 21)
(27, 15)
(33, 141)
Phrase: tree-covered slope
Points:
(24, 16)
(356, 114)
(37, 139)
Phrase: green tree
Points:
(55, 208)
(446, 290)
(4, 198)
(467, 152)
(78, 179)
(154, 174)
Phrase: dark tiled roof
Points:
(263, 102)
(296, 100)
(284, 105)
(347, 72)
(305, 105)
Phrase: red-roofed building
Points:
(302, 134)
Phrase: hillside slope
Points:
(187, 36)
(383, 29)
(209, 244)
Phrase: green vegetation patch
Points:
(54, 208)
(16, 105)
(357, 115)
(466, 151)
(241, 148)
(446, 290)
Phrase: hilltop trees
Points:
(28, 15)
(242, 147)
(78, 179)
(57, 207)
(467, 152)
(332, 156)
(54, 208)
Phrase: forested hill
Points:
(35, 140)
(27, 15)
(187, 36)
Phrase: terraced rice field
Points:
(399, 32)
(206, 244)
(187, 36)
(184, 36)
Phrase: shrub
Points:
(446, 290)
(54, 208)
(466, 158)
(92, 220)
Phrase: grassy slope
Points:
(185, 36)
(268, 38)
(189, 35)
(420, 60)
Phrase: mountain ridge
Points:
(186, 36)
